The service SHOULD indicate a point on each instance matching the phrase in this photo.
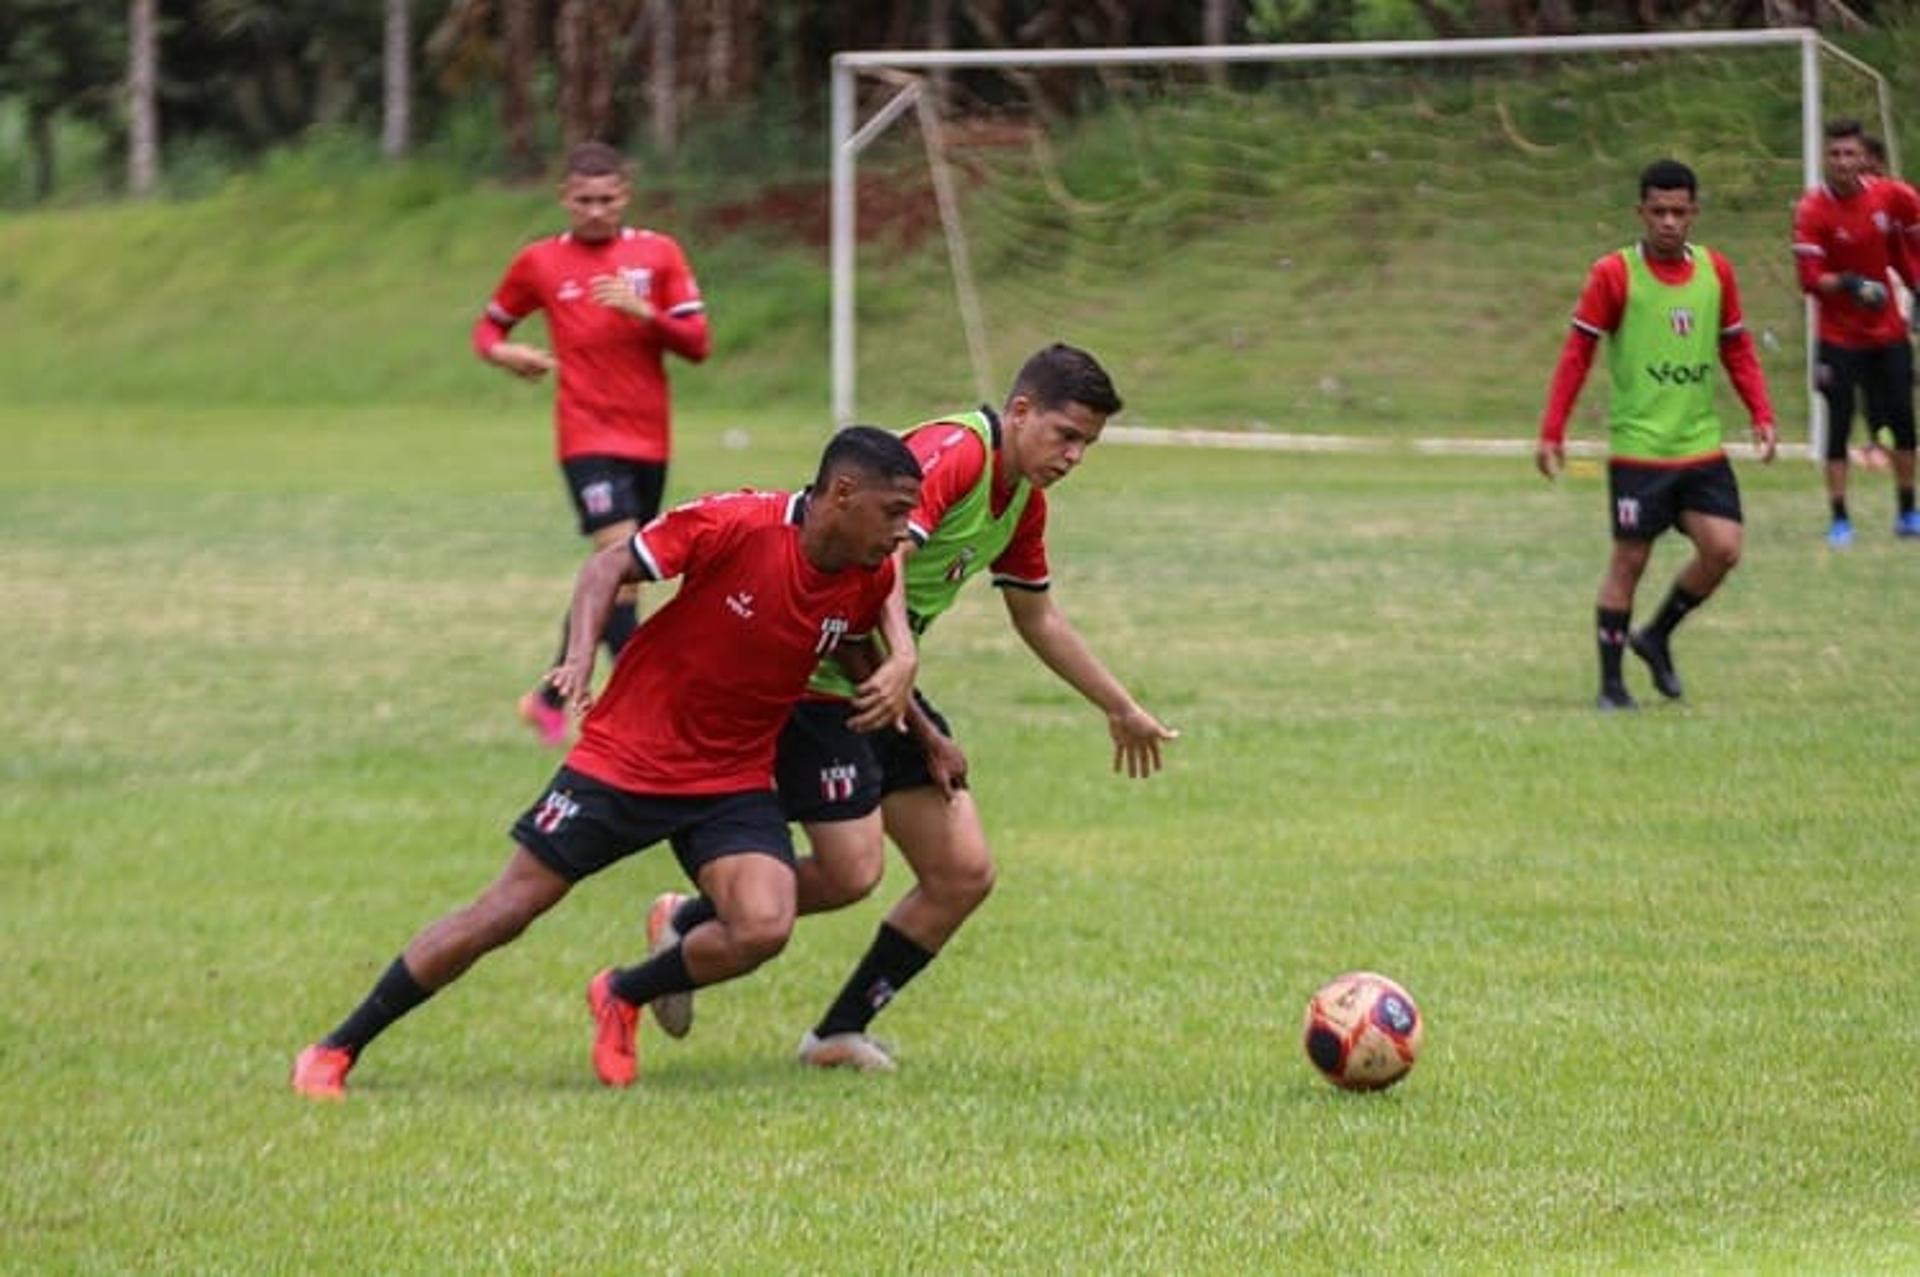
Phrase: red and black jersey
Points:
(700, 692)
(1867, 233)
(612, 400)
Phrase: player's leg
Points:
(829, 781)
(946, 847)
(1707, 499)
(433, 959)
(1636, 509)
(1838, 373)
(577, 827)
(1890, 402)
(737, 850)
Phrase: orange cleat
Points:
(616, 1055)
(548, 722)
(320, 1072)
(673, 1012)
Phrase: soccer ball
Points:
(1363, 1031)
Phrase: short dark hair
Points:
(1063, 374)
(1845, 126)
(1875, 147)
(1668, 175)
(595, 159)
(872, 452)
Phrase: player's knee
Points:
(854, 878)
(968, 882)
(1724, 556)
(759, 937)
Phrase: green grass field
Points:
(257, 669)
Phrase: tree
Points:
(397, 74)
(59, 57)
(143, 106)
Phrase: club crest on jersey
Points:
(957, 570)
(1681, 317)
(639, 279)
(555, 810)
(832, 630)
(837, 781)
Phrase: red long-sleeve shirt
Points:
(1867, 233)
(613, 399)
(1602, 303)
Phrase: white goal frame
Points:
(904, 71)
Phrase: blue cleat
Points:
(1840, 533)
(1907, 525)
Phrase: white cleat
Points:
(845, 1051)
(673, 1012)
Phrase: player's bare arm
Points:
(601, 578)
(1137, 734)
(884, 694)
(522, 360)
(616, 293)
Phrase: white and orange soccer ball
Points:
(1363, 1031)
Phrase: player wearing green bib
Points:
(983, 509)
(1670, 311)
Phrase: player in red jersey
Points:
(1872, 452)
(679, 747)
(617, 300)
(1847, 235)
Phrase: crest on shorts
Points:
(554, 810)
(1681, 317)
(837, 781)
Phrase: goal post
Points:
(989, 189)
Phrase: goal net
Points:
(1321, 245)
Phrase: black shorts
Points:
(826, 771)
(1884, 374)
(607, 490)
(580, 825)
(1647, 500)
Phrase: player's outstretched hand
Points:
(1549, 459)
(1136, 741)
(1767, 439)
(881, 698)
(1870, 293)
(573, 680)
(530, 362)
(617, 294)
(947, 764)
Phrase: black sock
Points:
(1906, 500)
(1839, 507)
(394, 994)
(641, 984)
(889, 964)
(621, 624)
(1612, 633)
(693, 911)
(1674, 611)
(547, 694)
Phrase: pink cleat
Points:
(549, 722)
(320, 1072)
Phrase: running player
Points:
(1669, 310)
(617, 300)
(983, 507)
(680, 746)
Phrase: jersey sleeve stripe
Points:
(1733, 330)
(686, 308)
(1587, 328)
(501, 315)
(1809, 250)
(919, 534)
(1001, 581)
(644, 557)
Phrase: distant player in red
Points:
(1669, 310)
(680, 745)
(617, 299)
(1848, 234)
(1872, 452)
